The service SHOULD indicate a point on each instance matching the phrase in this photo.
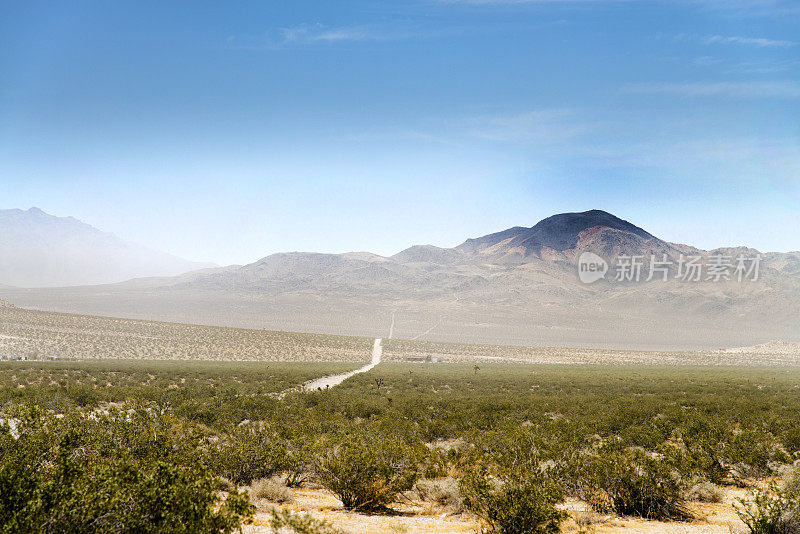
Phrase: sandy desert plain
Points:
(588, 440)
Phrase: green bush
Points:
(749, 452)
(247, 453)
(523, 504)
(791, 440)
(717, 450)
(367, 469)
(634, 482)
(771, 511)
(297, 454)
(704, 441)
(71, 476)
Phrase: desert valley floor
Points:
(238, 393)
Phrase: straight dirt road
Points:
(335, 380)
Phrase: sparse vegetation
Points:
(68, 336)
(510, 440)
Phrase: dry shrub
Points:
(443, 492)
(272, 489)
(789, 478)
(746, 475)
(586, 521)
(704, 492)
(223, 484)
(600, 501)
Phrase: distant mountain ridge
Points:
(39, 250)
(517, 286)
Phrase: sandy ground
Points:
(424, 518)
(709, 519)
(411, 518)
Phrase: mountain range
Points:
(38, 249)
(517, 286)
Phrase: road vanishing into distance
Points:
(335, 380)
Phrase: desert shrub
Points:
(299, 523)
(514, 448)
(749, 452)
(436, 463)
(272, 489)
(510, 482)
(704, 441)
(524, 504)
(78, 475)
(443, 492)
(649, 435)
(297, 455)
(247, 453)
(771, 511)
(791, 478)
(367, 469)
(634, 482)
(704, 492)
(718, 450)
(791, 440)
(599, 500)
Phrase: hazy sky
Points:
(225, 131)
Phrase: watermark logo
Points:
(713, 268)
(591, 267)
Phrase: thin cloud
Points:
(781, 156)
(766, 66)
(760, 42)
(727, 89)
(754, 41)
(320, 34)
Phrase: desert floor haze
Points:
(519, 286)
(60, 336)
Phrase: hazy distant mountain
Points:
(518, 286)
(559, 233)
(41, 250)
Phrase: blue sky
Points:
(227, 131)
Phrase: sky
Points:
(226, 131)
